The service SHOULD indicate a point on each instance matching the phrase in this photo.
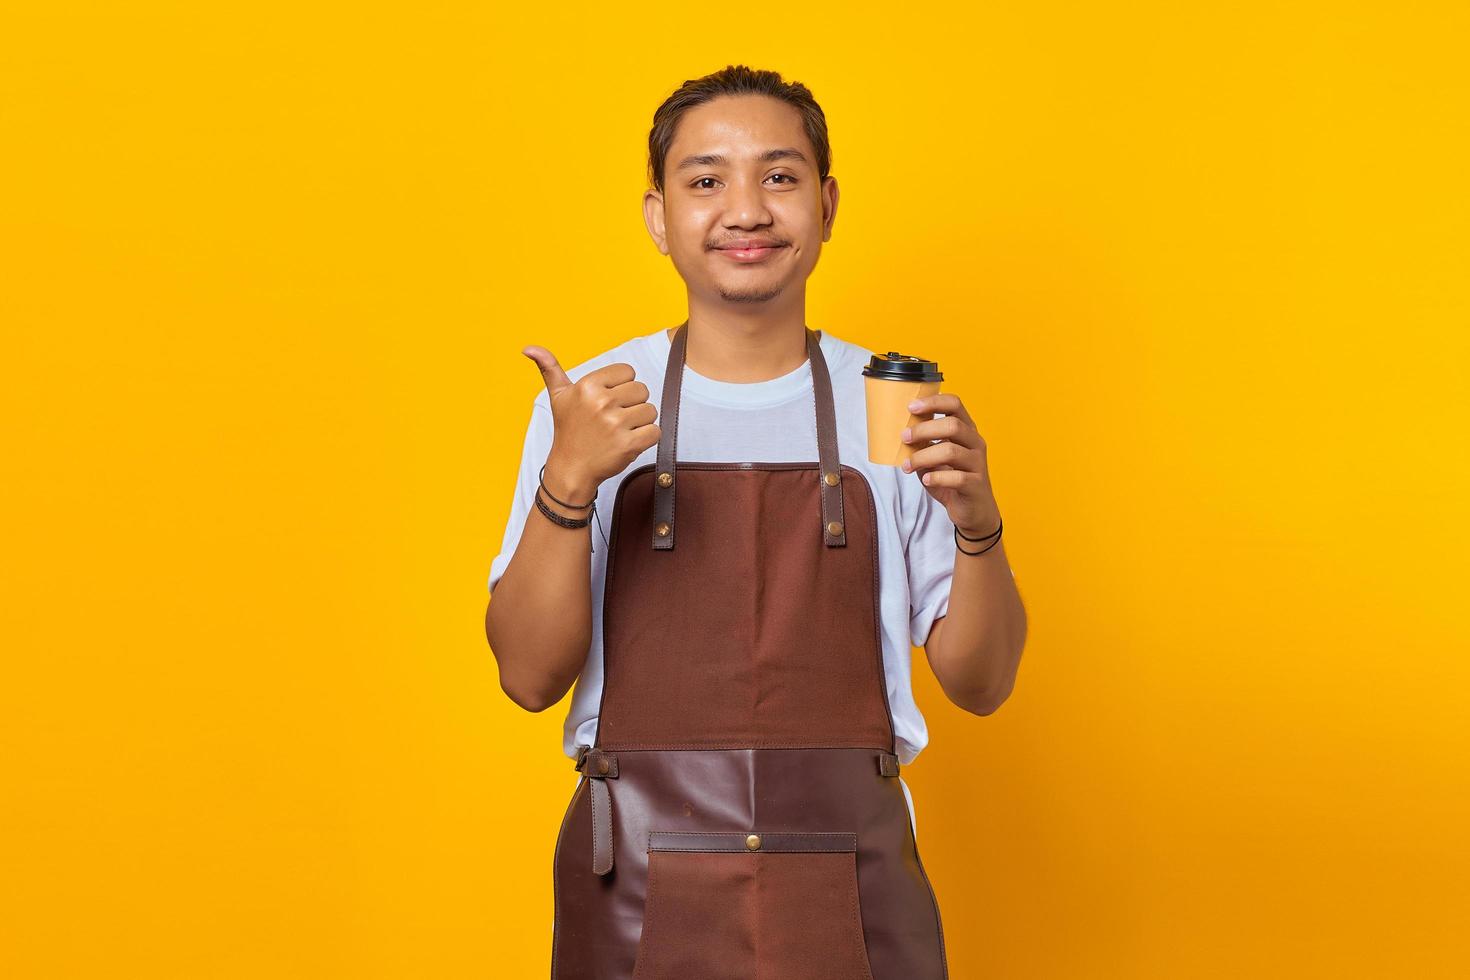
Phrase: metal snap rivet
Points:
(834, 528)
(753, 842)
(661, 529)
(603, 766)
(830, 479)
(666, 479)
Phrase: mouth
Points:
(751, 253)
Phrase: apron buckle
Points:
(597, 766)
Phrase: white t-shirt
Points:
(768, 421)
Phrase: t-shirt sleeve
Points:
(930, 553)
(537, 447)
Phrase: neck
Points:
(745, 347)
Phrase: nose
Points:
(745, 206)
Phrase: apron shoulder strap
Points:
(829, 466)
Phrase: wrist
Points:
(569, 483)
(984, 530)
(977, 545)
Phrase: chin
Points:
(746, 292)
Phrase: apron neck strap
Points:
(829, 469)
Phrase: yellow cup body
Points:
(889, 415)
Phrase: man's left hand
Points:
(953, 469)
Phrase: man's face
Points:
(741, 171)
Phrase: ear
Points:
(653, 217)
(829, 206)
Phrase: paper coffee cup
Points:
(892, 381)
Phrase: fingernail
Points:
(906, 466)
(907, 434)
(915, 405)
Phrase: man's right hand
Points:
(602, 422)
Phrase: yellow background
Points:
(1199, 274)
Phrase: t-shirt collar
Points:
(734, 394)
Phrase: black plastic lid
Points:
(894, 366)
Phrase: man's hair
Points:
(734, 80)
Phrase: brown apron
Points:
(740, 817)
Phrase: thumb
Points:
(556, 379)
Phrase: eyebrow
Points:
(716, 160)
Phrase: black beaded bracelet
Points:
(558, 518)
(982, 551)
(570, 522)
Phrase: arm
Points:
(539, 619)
(975, 649)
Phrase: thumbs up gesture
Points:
(602, 422)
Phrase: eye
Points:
(789, 179)
(701, 181)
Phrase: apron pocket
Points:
(759, 906)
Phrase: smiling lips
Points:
(749, 249)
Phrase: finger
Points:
(950, 427)
(944, 402)
(920, 471)
(639, 415)
(629, 393)
(556, 379)
(940, 453)
(610, 375)
(951, 479)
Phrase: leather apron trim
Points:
(785, 841)
(599, 766)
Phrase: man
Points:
(740, 629)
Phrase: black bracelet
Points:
(556, 518)
(570, 522)
(984, 537)
(541, 479)
(982, 551)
